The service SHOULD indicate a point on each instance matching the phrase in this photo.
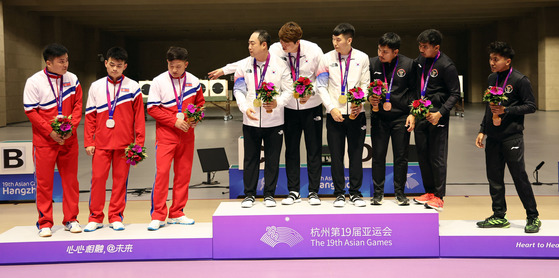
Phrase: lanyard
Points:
(179, 101)
(112, 106)
(344, 76)
(504, 84)
(295, 70)
(424, 81)
(58, 97)
(391, 80)
(262, 75)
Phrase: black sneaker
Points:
(357, 200)
(248, 202)
(313, 199)
(494, 222)
(402, 200)
(293, 197)
(533, 225)
(377, 200)
(340, 201)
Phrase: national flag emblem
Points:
(67, 84)
(125, 90)
(188, 84)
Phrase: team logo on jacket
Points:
(401, 73)
(334, 65)
(188, 85)
(508, 89)
(67, 84)
(434, 73)
(280, 132)
(248, 71)
(125, 90)
(276, 235)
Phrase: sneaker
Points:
(92, 226)
(402, 200)
(357, 200)
(73, 227)
(293, 197)
(154, 225)
(424, 198)
(494, 222)
(313, 199)
(435, 203)
(340, 201)
(183, 220)
(117, 226)
(377, 200)
(45, 232)
(533, 225)
(248, 202)
(269, 201)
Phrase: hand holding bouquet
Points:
(356, 97)
(377, 90)
(265, 94)
(62, 126)
(303, 88)
(194, 113)
(494, 96)
(134, 154)
(420, 108)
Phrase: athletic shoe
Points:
(293, 197)
(248, 202)
(423, 199)
(357, 201)
(494, 222)
(73, 227)
(435, 203)
(183, 220)
(377, 200)
(533, 225)
(402, 200)
(340, 201)
(45, 232)
(92, 226)
(269, 201)
(154, 225)
(117, 226)
(313, 199)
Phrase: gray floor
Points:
(466, 163)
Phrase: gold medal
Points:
(257, 103)
(342, 99)
(296, 95)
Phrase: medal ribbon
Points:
(58, 97)
(179, 101)
(391, 80)
(424, 81)
(505, 83)
(112, 106)
(295, 70)
(344, 76)
(262, 75)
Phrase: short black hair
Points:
(54, 50)
(430, 36)
(117, 53)
(392, 40)
(177, 53)
(501, 48)
(264, 36)
(345, 29)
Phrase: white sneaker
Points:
(183, 220)
(45, 232)
(340, 201)
(269, 202)
(92, 226)
(73, 227)
(357, 201)
(117, 226)
(313, 199)
(293, 197)
(248, 202)
(154, 225)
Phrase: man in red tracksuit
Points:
(50, 93)
(170, 94)
(114, 118)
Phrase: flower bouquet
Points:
(494, 96)
(265, 94)
(62, 125)
(194, 113)
(303, 88)
(134, 154)
(356, 96)
(378, 90)
(420, 108)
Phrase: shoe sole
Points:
(155, 229)
(489, 227)
(403, 203)
(339, 206)
(172, 223)
(315, 203)
(373, 203)
(288, 203)
(270, 206)
(439, 209)
(420, 202)
(96, 228)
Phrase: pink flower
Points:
(377, 90)
(65, 127)
(300, 89)
(427, 103)
(137, 148)
(358, 94)
(191, 108)
(496, 91)
(202, 115)
(270, 86)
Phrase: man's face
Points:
(498, 63)
(428, 51)
(289, 47)
(255, 47)
(115, 68)
(58, 65)
(386, 54)
(177, 67)
(341, 43)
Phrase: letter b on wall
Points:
(16, 158)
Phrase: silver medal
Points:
(180, 116)
(110, 123)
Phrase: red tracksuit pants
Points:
(182, 154)
(66, 158)
(101, 164)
